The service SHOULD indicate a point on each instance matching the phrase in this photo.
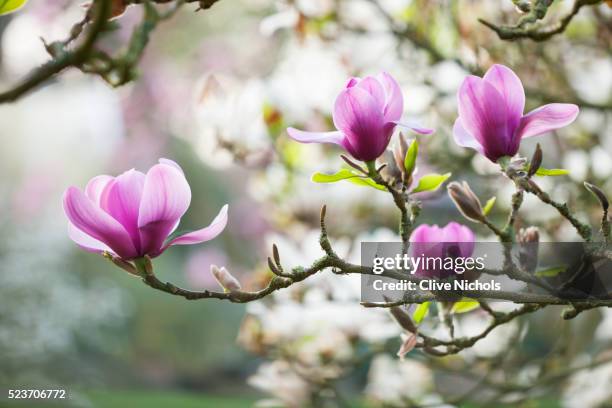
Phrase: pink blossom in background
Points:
(431, 241)
(133, 215)
(491, 119)
(32, 194)
(250, 220)
(365, 113)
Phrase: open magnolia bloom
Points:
(491, 119)
(365, 113)
(133, 215)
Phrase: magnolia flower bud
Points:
(409, 341)
(529, 235)
(225, 279)
(391, 171)
(528, 239)
(599, 194)
(466, 201)
(403, 319)
(536, 161)
(523, 6)
(400, 154)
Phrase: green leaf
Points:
(360, 181)
(346, 174)
(550, 272)
(9, 6)
(551, 172)
(421, 311)
(411, 156)
(489, 205)
(431, 182)
(342, 174)
(465, 305)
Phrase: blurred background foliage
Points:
(215, 91)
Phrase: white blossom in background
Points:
(394, 381)
(22, 46)
(601, 162)
(498, 341)
(286, 17)
(306, 80)
(589, 388)
(591, 76)
(604, 330)
(577, 163)
(280, 380)
(231, 109)
(77, 117)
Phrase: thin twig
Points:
(527, 26)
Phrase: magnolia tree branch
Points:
(469, 205)
(204, 4)
(100, 11)
(115, 70)
(283, 279)
(523, 182)
(530, 301)
(528, 26)
(400, 198)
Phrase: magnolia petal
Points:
(461, 235)
(165, 198)
(546, 118)
(85, 241)
(172, 163)
(483, 114)
(121, 199)
(509, 85)
(204, 234)
(395, 99)
(166, 195)
(372, 86)
(93, 221)
(360, 118)
(315, 137)
(425, 240)
(356, 112)
(453, 240)
(95, 187)
(464, 138)
(414, 127)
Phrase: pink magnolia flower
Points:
(365, 113)
(133, 215)
(491, 119)
(430, 241)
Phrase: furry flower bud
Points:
(466, 201)
(225, 279)
(528, 239)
